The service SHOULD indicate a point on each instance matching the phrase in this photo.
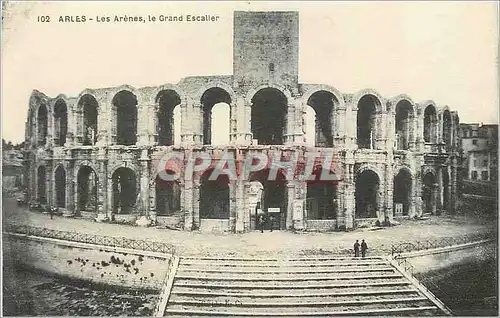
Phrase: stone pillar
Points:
(106, 124)
(187, 123)
(289, 206)
(240, 207)
(144, 184)
(104, 188)
(187, 194)
(439, 199)
(381, 200)
(143, 114)
(247, 122)
(196, 206)
(339, 127)
(289, 132)
(349, 198)
(389, 191)
(49, 181)
(71, 184)
(299, 222)
(454, 186)
(197, 123)
(412, 198)
(152, 200)
(233, 122)
(71, 133)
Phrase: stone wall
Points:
(99, 264)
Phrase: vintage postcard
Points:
(250, 159)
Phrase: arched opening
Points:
(428, 196)
(323, 103)
(402, 191)
(214, 196)
(310, 127)
(430, 124)
(125, 194)
(321, 198)
(168, 196)
(125, 104)
(367, 198)
(40, 182)
(268, 118)
(42, 125)
(60, 183)
(87, 189)
(216, 115)
(60, 122)
(403, 127)
(169, 119)
(446, 190)
(89, 106)
(447, 128)
(273, 199)
(366, 121)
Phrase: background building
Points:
(480, 151)
(94, 155)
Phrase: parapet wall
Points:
(87, 262)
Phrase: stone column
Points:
(71, 134)
(289, 206)
(233, 122)
(453, 188)
(197, 123)
(49, 181)
(71, 184)
(412, 198)
(381, 200)
(106, 124)
(299, 205)
(349, 198)
(152, 200)
(246, 207)
(247, 122)
(144, 187)
(188, 123)
(389, 191)
(289, 131)
(240, 206)
(187, 191)
(142, 122)
(105, 189)
(196, 206)
(439, 201)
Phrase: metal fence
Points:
(405, 247)
(121, 242)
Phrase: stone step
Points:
(280, 263)
(287, 300)
(291, 284)
(291, 259)
(348, 308)
(342, 290)
(286, 269)
(294, 278)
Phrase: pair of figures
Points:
(363, 246)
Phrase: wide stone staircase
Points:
(325, 286)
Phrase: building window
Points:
(474, 163)
(485, 163)
(484, 175)
(473, 175)
(474, 142)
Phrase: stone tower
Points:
(266, 48)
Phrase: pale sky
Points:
(444, 51)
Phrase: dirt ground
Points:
(267, 244)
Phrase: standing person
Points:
(356, 249)
(261, 223)
(51, 212)
(364, 247)
(271, 222)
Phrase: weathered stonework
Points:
(395, 158)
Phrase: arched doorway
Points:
(268, 119)
(214, 196)
(274, 196)
(321, 198)
(216, 116)
(366, 121)
(428, 195)
(89, 106)
(87, 189)
(323, 103)
(169, 119)
(125, 104)
(168, 196)
(40, 183)
(402, 190)
(125, 194)
(430, 124)
(403, 127)
(60, 187)
(42, 125)
(60, 122)
(366, 194)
